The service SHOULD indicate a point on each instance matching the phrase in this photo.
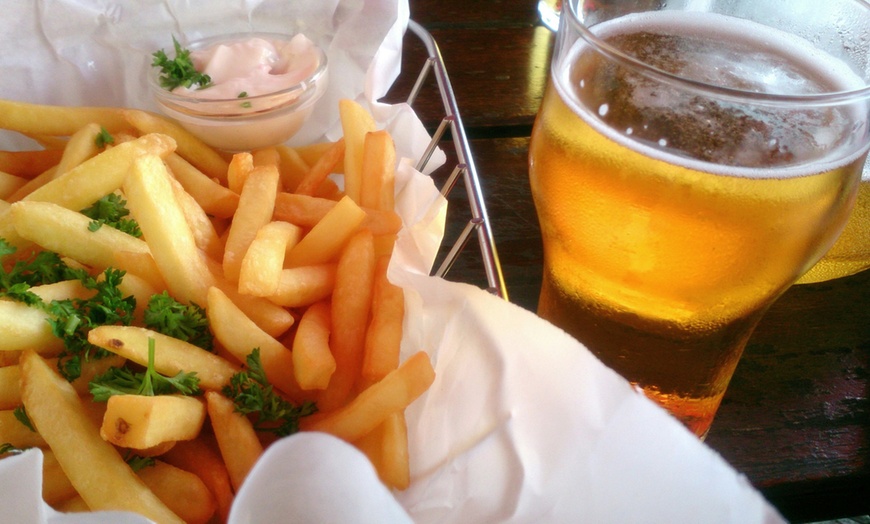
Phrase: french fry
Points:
(83, 185)
(268, 156)
(171, 355)
(215, 199)
(260, 272)
(202, 457)
(351, 303)
(28, 164)
(67, 233)
(239, 335)
(141, 265)
(240, 167)
(307, 211)
(72, 505)
(270, 317)
(310, 153)
(142, 422)
(305, 285)
(376, 403)
(12, 431)
(291, 165)
(236, 438)
(313, 362)
(317, 174)
(9, 184)
(153, 205)
(386, 446)
(56, 486)
(256, 205)
(190, 147)
(10, 393)
(325, 240)
(356, 121)
(33, 184)
(204, 233)
(39, 119)
(395, 460)
(384, 335)
(94, 467)
(378, 170)
(81, 146)
(140, 289)
(183, 492)
(25, 327)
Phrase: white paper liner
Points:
(522, 424)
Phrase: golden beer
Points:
(671, 220)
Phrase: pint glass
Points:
(689, 162)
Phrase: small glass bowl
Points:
(244, 124)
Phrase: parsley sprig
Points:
(186, 322)
(124, 381)
(252, 394)
(180, 71)
(111, 210)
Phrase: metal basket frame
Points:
(479, 222)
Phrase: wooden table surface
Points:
(796, 418)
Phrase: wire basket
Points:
(465, 168)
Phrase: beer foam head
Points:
(736, 97)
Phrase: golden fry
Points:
(307, 211)
(317, 174)
(313, 362)
(356, 121)
(39, 119)
(384, 335)
(142, 422)
(260, 272)
(190, 147)
(183, 492)
(351, 303)
(326, 239)
(376, 403)
(256, 204)
(235, 436)
(153, 205)
(171, 355)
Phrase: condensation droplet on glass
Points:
(629, 131)
(603, 109)
(663, 142)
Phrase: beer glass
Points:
(690, 160)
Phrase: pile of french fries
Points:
(281, 259)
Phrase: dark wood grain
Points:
(796, 418)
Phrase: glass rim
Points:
(728, 93)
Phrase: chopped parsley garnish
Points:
(21, 416)
(186, 322)
(138, 462)
(252, 394)
(180, 71)
(104, 138)
(8, 449)
(246, 105)
(111, 210)
(123, 381)
(43, 268)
